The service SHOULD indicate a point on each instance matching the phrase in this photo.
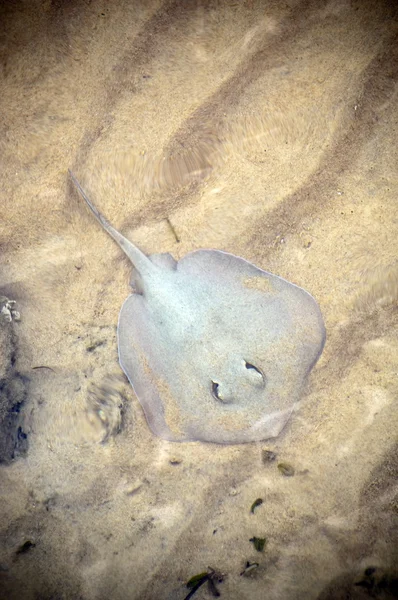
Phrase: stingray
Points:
(216, 349)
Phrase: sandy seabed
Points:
(266, 129)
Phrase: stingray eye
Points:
(257, 374)
(220, 394)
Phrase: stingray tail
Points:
(140, 261)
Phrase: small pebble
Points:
(268, 456)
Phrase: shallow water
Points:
(264, 129)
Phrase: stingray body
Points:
(215, 348)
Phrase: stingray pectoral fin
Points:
(135, 342)
(217, 264)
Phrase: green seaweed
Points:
(200, 578)
(286, 470)
(258, 543)
(211, 576)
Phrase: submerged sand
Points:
(266, 129)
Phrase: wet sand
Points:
(265, 129)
